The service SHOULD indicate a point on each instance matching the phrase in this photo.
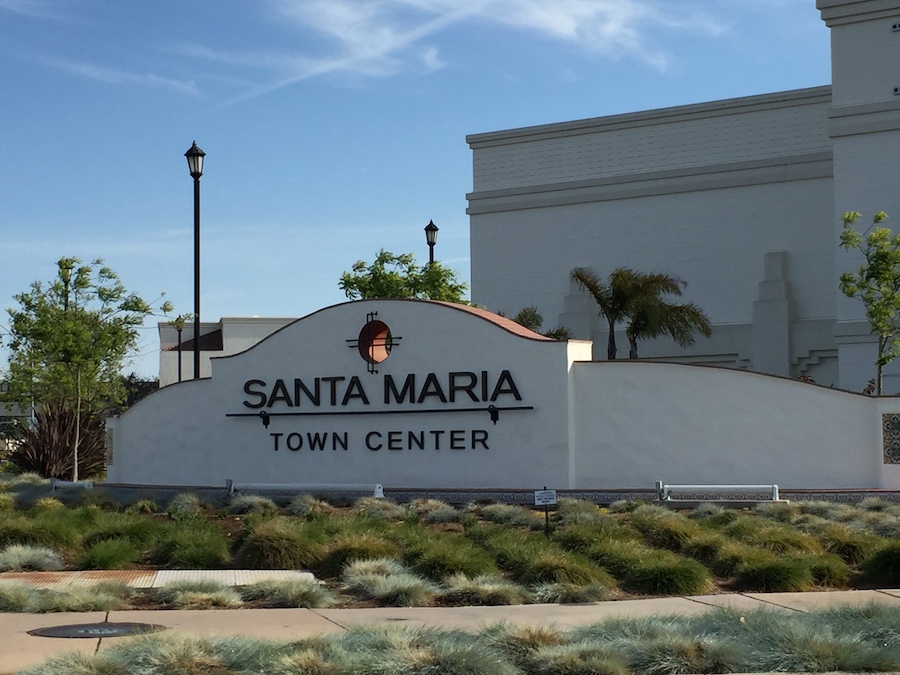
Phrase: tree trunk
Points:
(632, 347)
(611, 342)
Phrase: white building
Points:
(742, 198)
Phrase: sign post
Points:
(545, 498)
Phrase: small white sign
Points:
(544, 497)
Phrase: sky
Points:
(333, 128)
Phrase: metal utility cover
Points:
(97, 630)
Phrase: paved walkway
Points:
(19, 650)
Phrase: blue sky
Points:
(332, 128)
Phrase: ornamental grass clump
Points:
(510, 514)
(23, 558)
(288, 593)
(243, 504)
(771, 536)
(851, 545)
(103, 597)
(279, 543)
(829, 570)
(202, 594)
(343, 549)
(618, 557)
(662, 528)
(566, 593)
(308, 506)
(774, 575)
(436, 557)
(141, 531)
(185, 504)
(389, 583)
(666, 573)
(109, 554)
(191, 543)
(882, 568)
(145, 506)
(7, 501)
(460, 590)
(383, 509)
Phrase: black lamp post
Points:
(195, 163)
(431, 231)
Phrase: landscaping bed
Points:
(429, 553)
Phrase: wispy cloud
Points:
(41, 9)
(119, 77)
(377, 38)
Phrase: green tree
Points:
(398, 276)
(69, 340)
(876, 283)
(637, 299)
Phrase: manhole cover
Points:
(96, 630)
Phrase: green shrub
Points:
(704, 546)
(288, 593)
(109, 554)
(461, 590)
(784, 512)
(7, 501)
(347, 548)
(443, 514)
(882, 568)
(771, 536)
(21, 558)
(667, 574)
(382, 567)
(15, 596)
(774, 575)
(145, 506)
(48, 504)
(57, 531)
(241, 504)
(624, 506)
(874, 504)
(278, 543)
(96, 598)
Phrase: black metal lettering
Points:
(432, 387)
(419, 440)
(480, 436)
(251, 392)
(505, 385)
(457, 439)
(276, 437)
(464, 387)
(395, 440)
(369, 437)
(294, 441)
(333, 382)
(316, 441)
(437, 438)
(338, 439)
(409, 388)
(279, 393)
(313, 396)
(355, 390)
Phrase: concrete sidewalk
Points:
(19, 650)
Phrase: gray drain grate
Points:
(97, 630)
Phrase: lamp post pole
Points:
(431, 231)
(195, 163)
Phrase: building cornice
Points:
(838, 12)
(733, 106)
(717, 176)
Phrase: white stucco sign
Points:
(403, 393)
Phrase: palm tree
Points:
(611, 297)
(651, 315)
(637, 298)
(532, 319)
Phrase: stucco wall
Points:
(693, 424)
